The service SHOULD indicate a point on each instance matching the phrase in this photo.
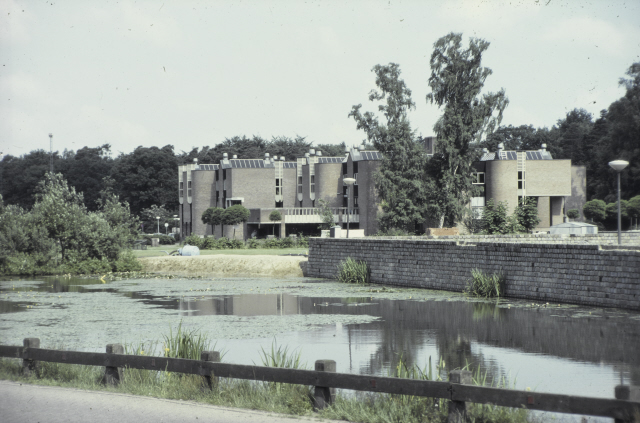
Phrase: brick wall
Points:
(560, 272)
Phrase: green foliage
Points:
(147, 177)
(573, 214)
(456, 81)
(494, 218)
(235, 215)
(400, 179)
(185, 344)
(152, 224)
(275, 216)
(484, 285)
(253, 243)
(526, 214)
(595, 210)
(162, 239)
(326, 215)
(353, 271)
(60, 227)
(195, 240)
(213, 216)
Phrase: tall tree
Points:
(400, 180)
(146, 177)
(457, 78)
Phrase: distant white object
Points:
(189, 250)
(573, 228)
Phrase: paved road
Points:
(32, 403)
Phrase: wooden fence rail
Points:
(458, 390)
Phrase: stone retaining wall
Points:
(568, 273)
(602, 238)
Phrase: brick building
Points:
(295, 188)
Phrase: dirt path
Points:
(227, 265)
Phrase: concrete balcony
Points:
(304, 215)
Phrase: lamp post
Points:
(618, 165)
(158, 219)
(348, 182)
(166, 229)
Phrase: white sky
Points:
(192, 73)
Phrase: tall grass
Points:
(485, 285)
(269, 396)
(353, 271)
(185, 344)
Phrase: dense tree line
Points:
(144, 178)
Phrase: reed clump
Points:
(269, 396)
(353, 271)
(485, 285)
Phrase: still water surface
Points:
(546, 347)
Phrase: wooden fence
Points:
(458, 389)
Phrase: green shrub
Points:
(271, 243)
(484, 285)
(573, 214)
(236, 244)
(353, 271)
(194, 240)
(302, 241)
(253, 243)
(162, 239)
(209, 243)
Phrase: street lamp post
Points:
(158, 219)
(618, 166)
(348, 182)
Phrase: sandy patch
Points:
(228, 265)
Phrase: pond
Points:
(546, 347)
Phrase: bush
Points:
(352, 271)
(209, 243)
(573, 214)
(253, 243)
(494, 218)
(302, 241)
(484, 285)
(163, 239)
(194, 240)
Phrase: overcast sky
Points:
(192, 73)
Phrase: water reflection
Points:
(571, 350)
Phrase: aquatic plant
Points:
(185, 344)
(353, 271)
(485, 285)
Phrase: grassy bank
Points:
(160, 251)
(267, 396)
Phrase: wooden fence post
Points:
(324, 396)
(31, 367)
(629, 393)
(213, 356)
(113, 375)
(458, 409)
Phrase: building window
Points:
(313, 179)
(217, 175)
(313, 203)
(355, 201)
(277, 191)
(313, 188)
(299, 180)
(224, 173)
(277, 182)
(478, 178)
(299, 189)
(301, 203)
(344, 168)
(521, 184)
(279, 204)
